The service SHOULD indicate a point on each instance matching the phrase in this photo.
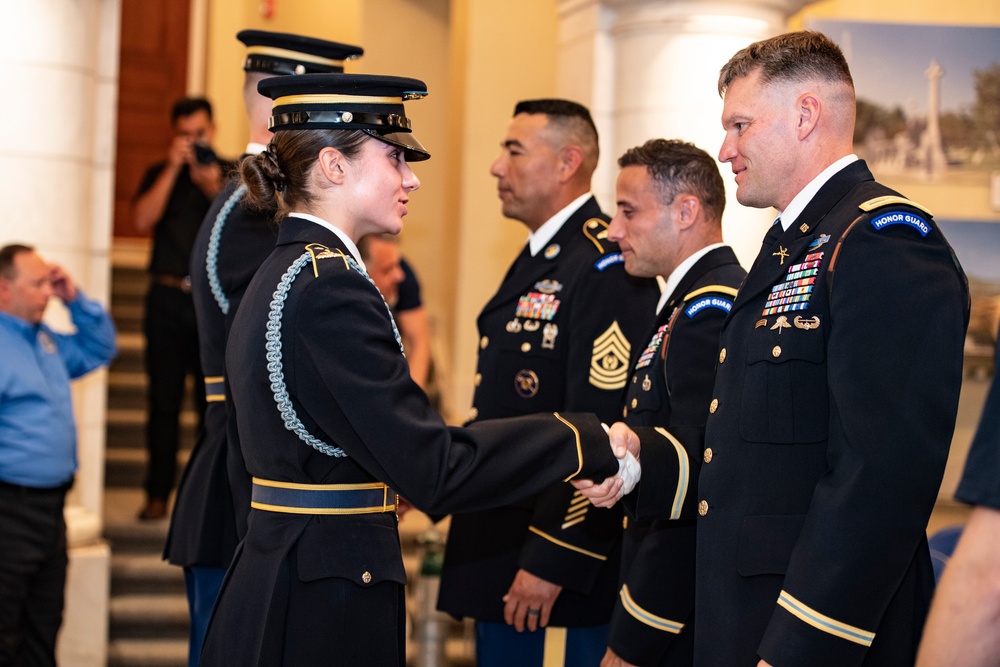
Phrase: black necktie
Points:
(772, 234)
(769, 240)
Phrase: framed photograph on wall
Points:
(928, 125)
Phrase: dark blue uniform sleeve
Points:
(382, 419)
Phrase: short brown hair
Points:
(7, 255)
(793, 56)
(680, 167)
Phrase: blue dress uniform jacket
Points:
(207, 512)
(556, 336)
(831, 420)
(313, 333)
(672, 378)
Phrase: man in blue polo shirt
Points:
(38, 445)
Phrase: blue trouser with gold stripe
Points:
(500, 645)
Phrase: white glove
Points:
(630, 471)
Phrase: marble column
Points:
(60, 63)
(648, 68)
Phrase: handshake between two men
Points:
(625, 444)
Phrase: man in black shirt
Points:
(172, 201)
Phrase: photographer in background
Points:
(173, 198)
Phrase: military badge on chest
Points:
(795, 291)
(647, 356)
(537, 307)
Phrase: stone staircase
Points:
(148, 608)
(148, 622)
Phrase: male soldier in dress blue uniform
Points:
(557, 335)
(209, 515)
(669, 223)
(837, 389)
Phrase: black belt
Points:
(215, 388)
(292, 498)
(35, 490)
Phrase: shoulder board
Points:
(596, 230)
(710, 296)
(891, 200)
(320, 251)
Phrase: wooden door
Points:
(152, 75)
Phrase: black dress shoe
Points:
(154, 509)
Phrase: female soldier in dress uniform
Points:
(330, 423)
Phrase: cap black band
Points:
(272, 65)
(392, 121)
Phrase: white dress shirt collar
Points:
(801, 200)
(678, 274)
(255, 148)
(541, 236)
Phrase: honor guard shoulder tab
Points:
(710, 296)
(881, 220)
(596, 230)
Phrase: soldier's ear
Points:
(689, 207)
(809, 107)
(331, 163)
(570, 159)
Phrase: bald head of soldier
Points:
(670, 200)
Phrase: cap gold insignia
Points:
(761, 323)
(609, 360)
(807, 324)
(552, 250)
(781, 323)
(781, 254)
(526, 383)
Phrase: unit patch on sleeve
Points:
(609, 361)
(880, 222)
(609, 260)
(708, 302)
